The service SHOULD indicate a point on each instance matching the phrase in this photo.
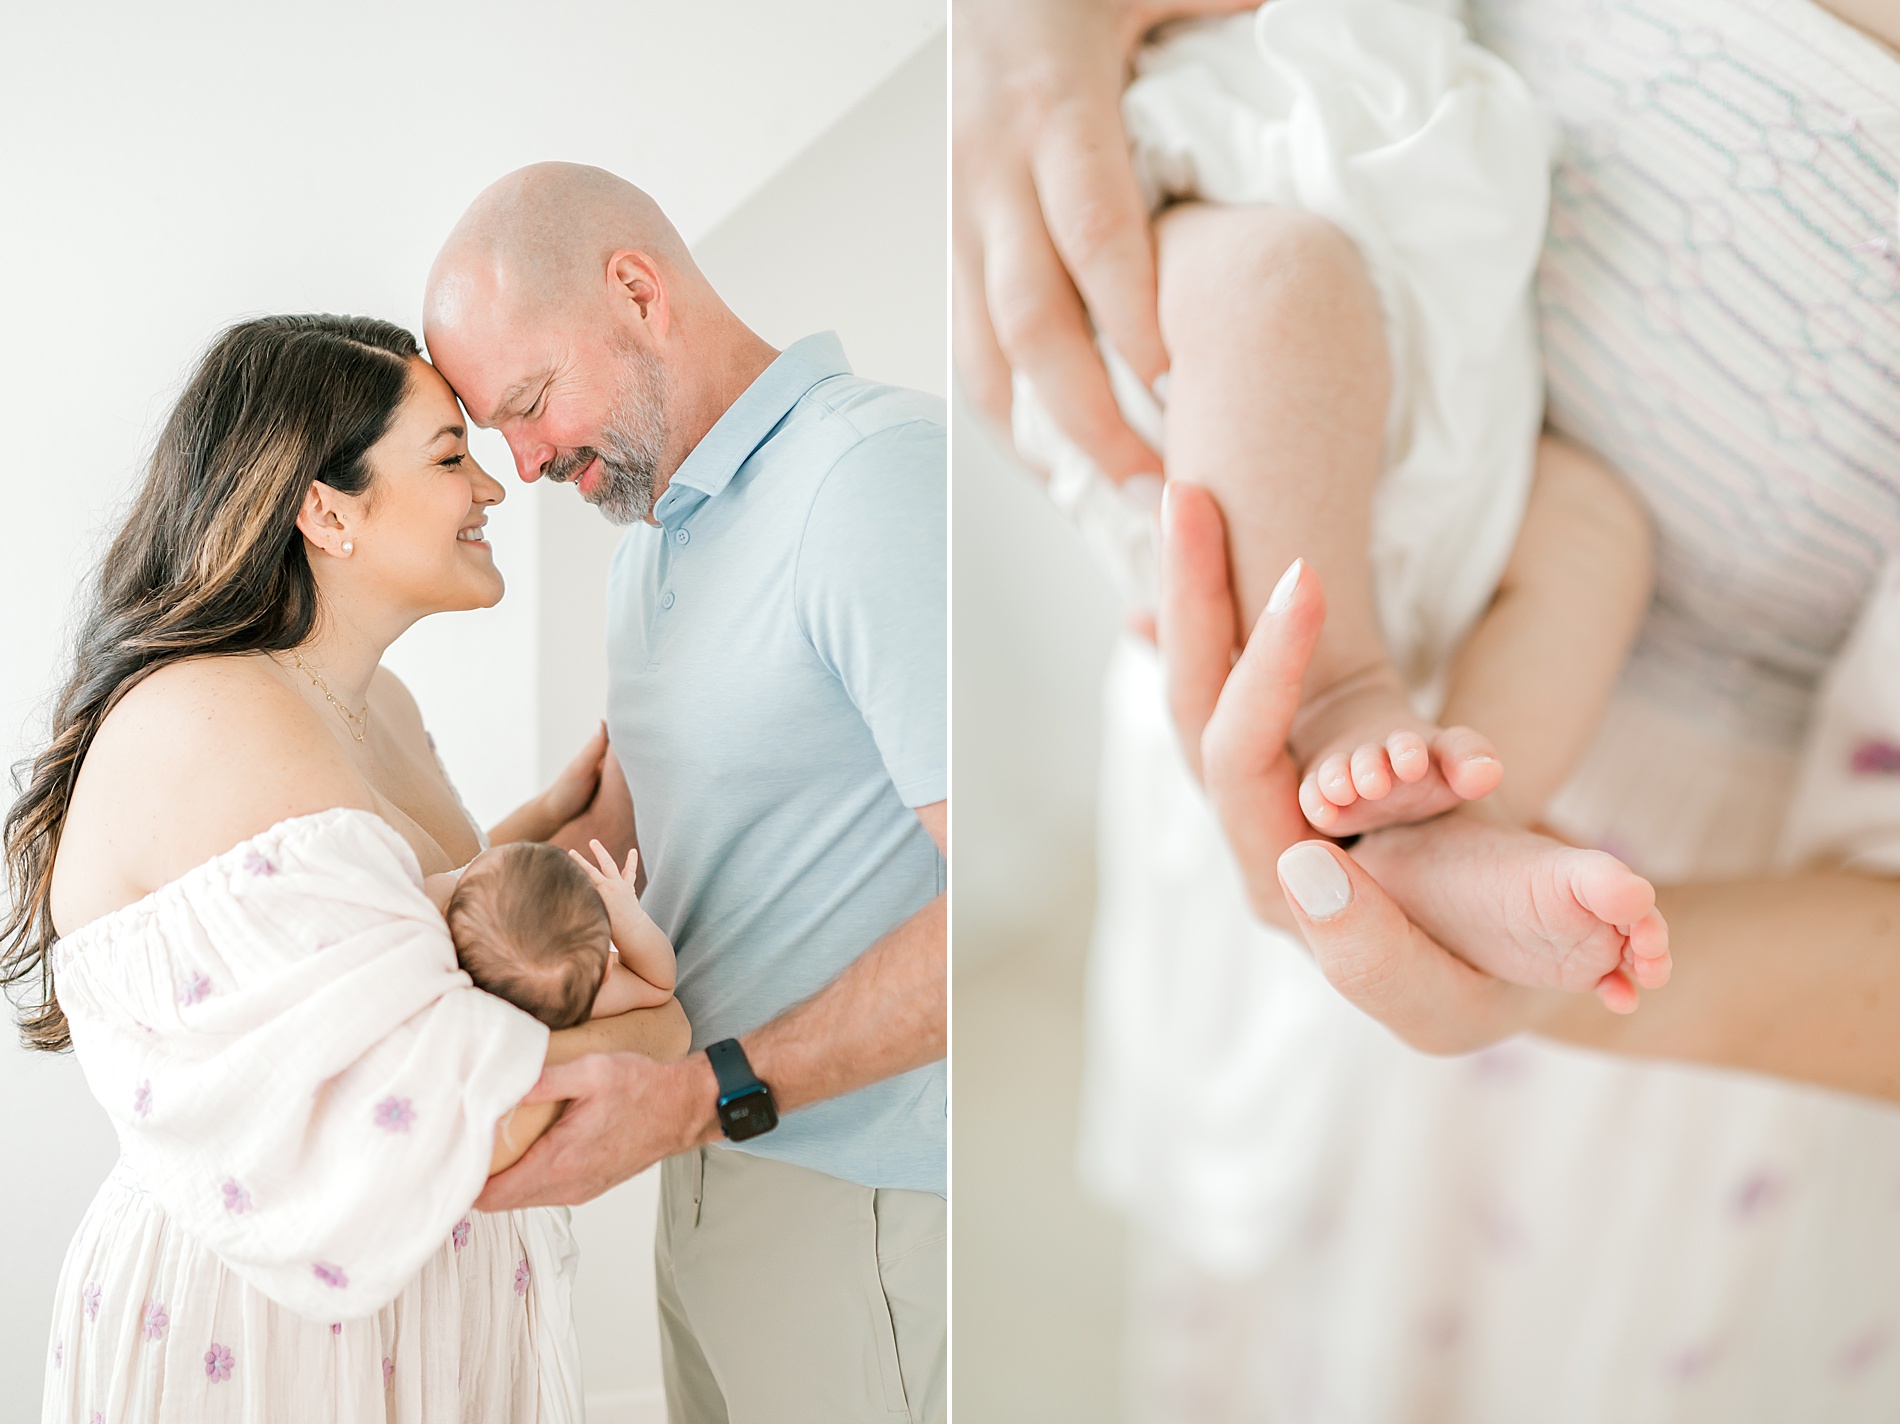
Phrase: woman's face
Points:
(419, 542)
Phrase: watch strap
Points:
(731, 1068)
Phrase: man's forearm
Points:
(885, 1015)
(1796, 977)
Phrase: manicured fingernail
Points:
(1167, 508)
(1143, 491)
(1160, 387)
(1314, 879)
(1282, 593)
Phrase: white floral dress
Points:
(305, 1088)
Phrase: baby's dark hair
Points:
(529, 927)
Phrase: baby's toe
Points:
(1649, 950)
(1411, 758)
(1468, 762)
(1617, 993)
(1371, 774)
(1334, 776)
(1321, 814)
(1610, 890)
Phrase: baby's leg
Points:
(1277, 403)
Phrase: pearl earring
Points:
(348, 548)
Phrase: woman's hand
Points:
(1049, 226)
(1233, 718)
(579, 790)
(573, 787)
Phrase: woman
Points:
(1338, 1228)
(216, 871)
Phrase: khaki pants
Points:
(788, 1296)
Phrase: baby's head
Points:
(530, 928)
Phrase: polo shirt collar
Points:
(709, 467)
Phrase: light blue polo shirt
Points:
(777, 655)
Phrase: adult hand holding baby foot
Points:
(1516, 903)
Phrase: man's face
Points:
(577, 406)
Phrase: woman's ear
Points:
(322, 523)
(635, 279)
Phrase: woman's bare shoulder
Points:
(198, 757)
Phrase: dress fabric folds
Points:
(305, 1086)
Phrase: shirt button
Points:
(666, 600)
(680, 536)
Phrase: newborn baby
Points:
(563, 939)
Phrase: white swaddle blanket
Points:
(305, 1086)
(1431, 154)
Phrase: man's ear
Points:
(634, 278)
(322, 522)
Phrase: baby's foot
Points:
(1380, 764)
(1525, 908)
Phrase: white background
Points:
(165, 170)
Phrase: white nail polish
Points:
(1160, 387)
(1143, 491)
(1282, 593)
(1313, 878)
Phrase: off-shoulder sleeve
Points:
(1846, 806)
(297, 1068)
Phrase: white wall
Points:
(1034, 623)
(859, 217)
(169, 169)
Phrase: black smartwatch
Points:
(746, 1108)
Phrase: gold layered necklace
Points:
(358, 723)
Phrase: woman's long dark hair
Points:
(209, 561)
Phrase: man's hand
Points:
(1049, 226)
(625, 1112)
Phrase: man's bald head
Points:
(539, 239)
(567, 313)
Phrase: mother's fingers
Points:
(1099, 224)
(1388, 967)
(980, 363)
(1044, 333)
(1246, 736)
(1194, 622)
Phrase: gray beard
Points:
(631, 444)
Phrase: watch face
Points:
(748, 1114)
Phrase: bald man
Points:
(777, 662)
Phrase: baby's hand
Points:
(615, 885)
(643, 946)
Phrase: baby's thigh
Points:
(1264, 283)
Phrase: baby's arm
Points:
(642, 972)
(1536, 673)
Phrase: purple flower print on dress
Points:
(460, 1235)
(194, 990)
(91, 1294)
(154, 1321)
(522, 1276)
(1759, 1190)
(395, 1114)
(219, 1363)
(389, 1369)
(59, 1354)
(255, 864)
(336, 1327)
(331, 1276)
(237, 1201)
(1875, 758)
(98, 1418)
(142, 1099)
